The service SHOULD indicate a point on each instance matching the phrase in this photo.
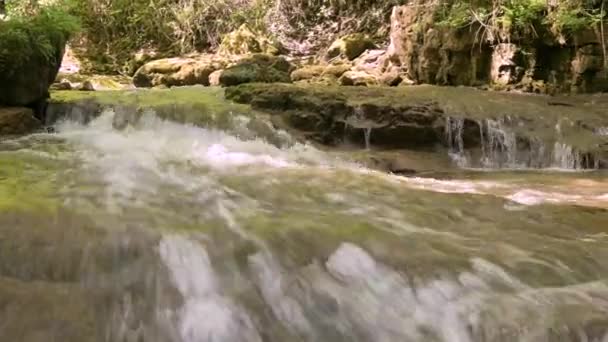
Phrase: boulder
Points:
(245, 41)
(179, 71)
(358, 78)
(28, 84)
(259, 68)
(17, 120)
(350, 46)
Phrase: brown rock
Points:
(17, 120)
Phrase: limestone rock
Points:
(504, 64)
(179, 71)
(350, 46)
(246, 41)
(259, 68)
(214, 77)
(358, 78)
(17, 120)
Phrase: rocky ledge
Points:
(484, 127)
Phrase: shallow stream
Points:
(168, 232)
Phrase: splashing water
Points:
(168, 232)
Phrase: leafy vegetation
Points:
(500, 19)
(25, 36)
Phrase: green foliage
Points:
(572, 19)
(39, 35)
(523, 15)
(456, 15)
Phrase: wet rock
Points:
(17, 120)
(350, 46)
(257, 68)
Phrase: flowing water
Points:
(167, 232)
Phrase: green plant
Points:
(570, 20)
(522, 15)
(38, 36)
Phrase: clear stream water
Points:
(167, 232)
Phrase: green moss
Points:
(27, 183)
(257, 68)
(194, 105)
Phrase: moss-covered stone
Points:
(203, 106)
(350, 46)
(180, 71)
(311, 72)
(257, 68)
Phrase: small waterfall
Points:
(367, 134)
(500, 146)
(566, 157)
(453, 132)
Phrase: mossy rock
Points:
(350, 46)
(311, 72)
(259, 68)
(17, 120)
(245, 41)
(307, 72)
(179, 71)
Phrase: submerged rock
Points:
(17, 120)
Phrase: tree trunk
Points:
(2, 7)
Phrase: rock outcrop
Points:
(539, 62)
(506, 128)
(28, 84)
